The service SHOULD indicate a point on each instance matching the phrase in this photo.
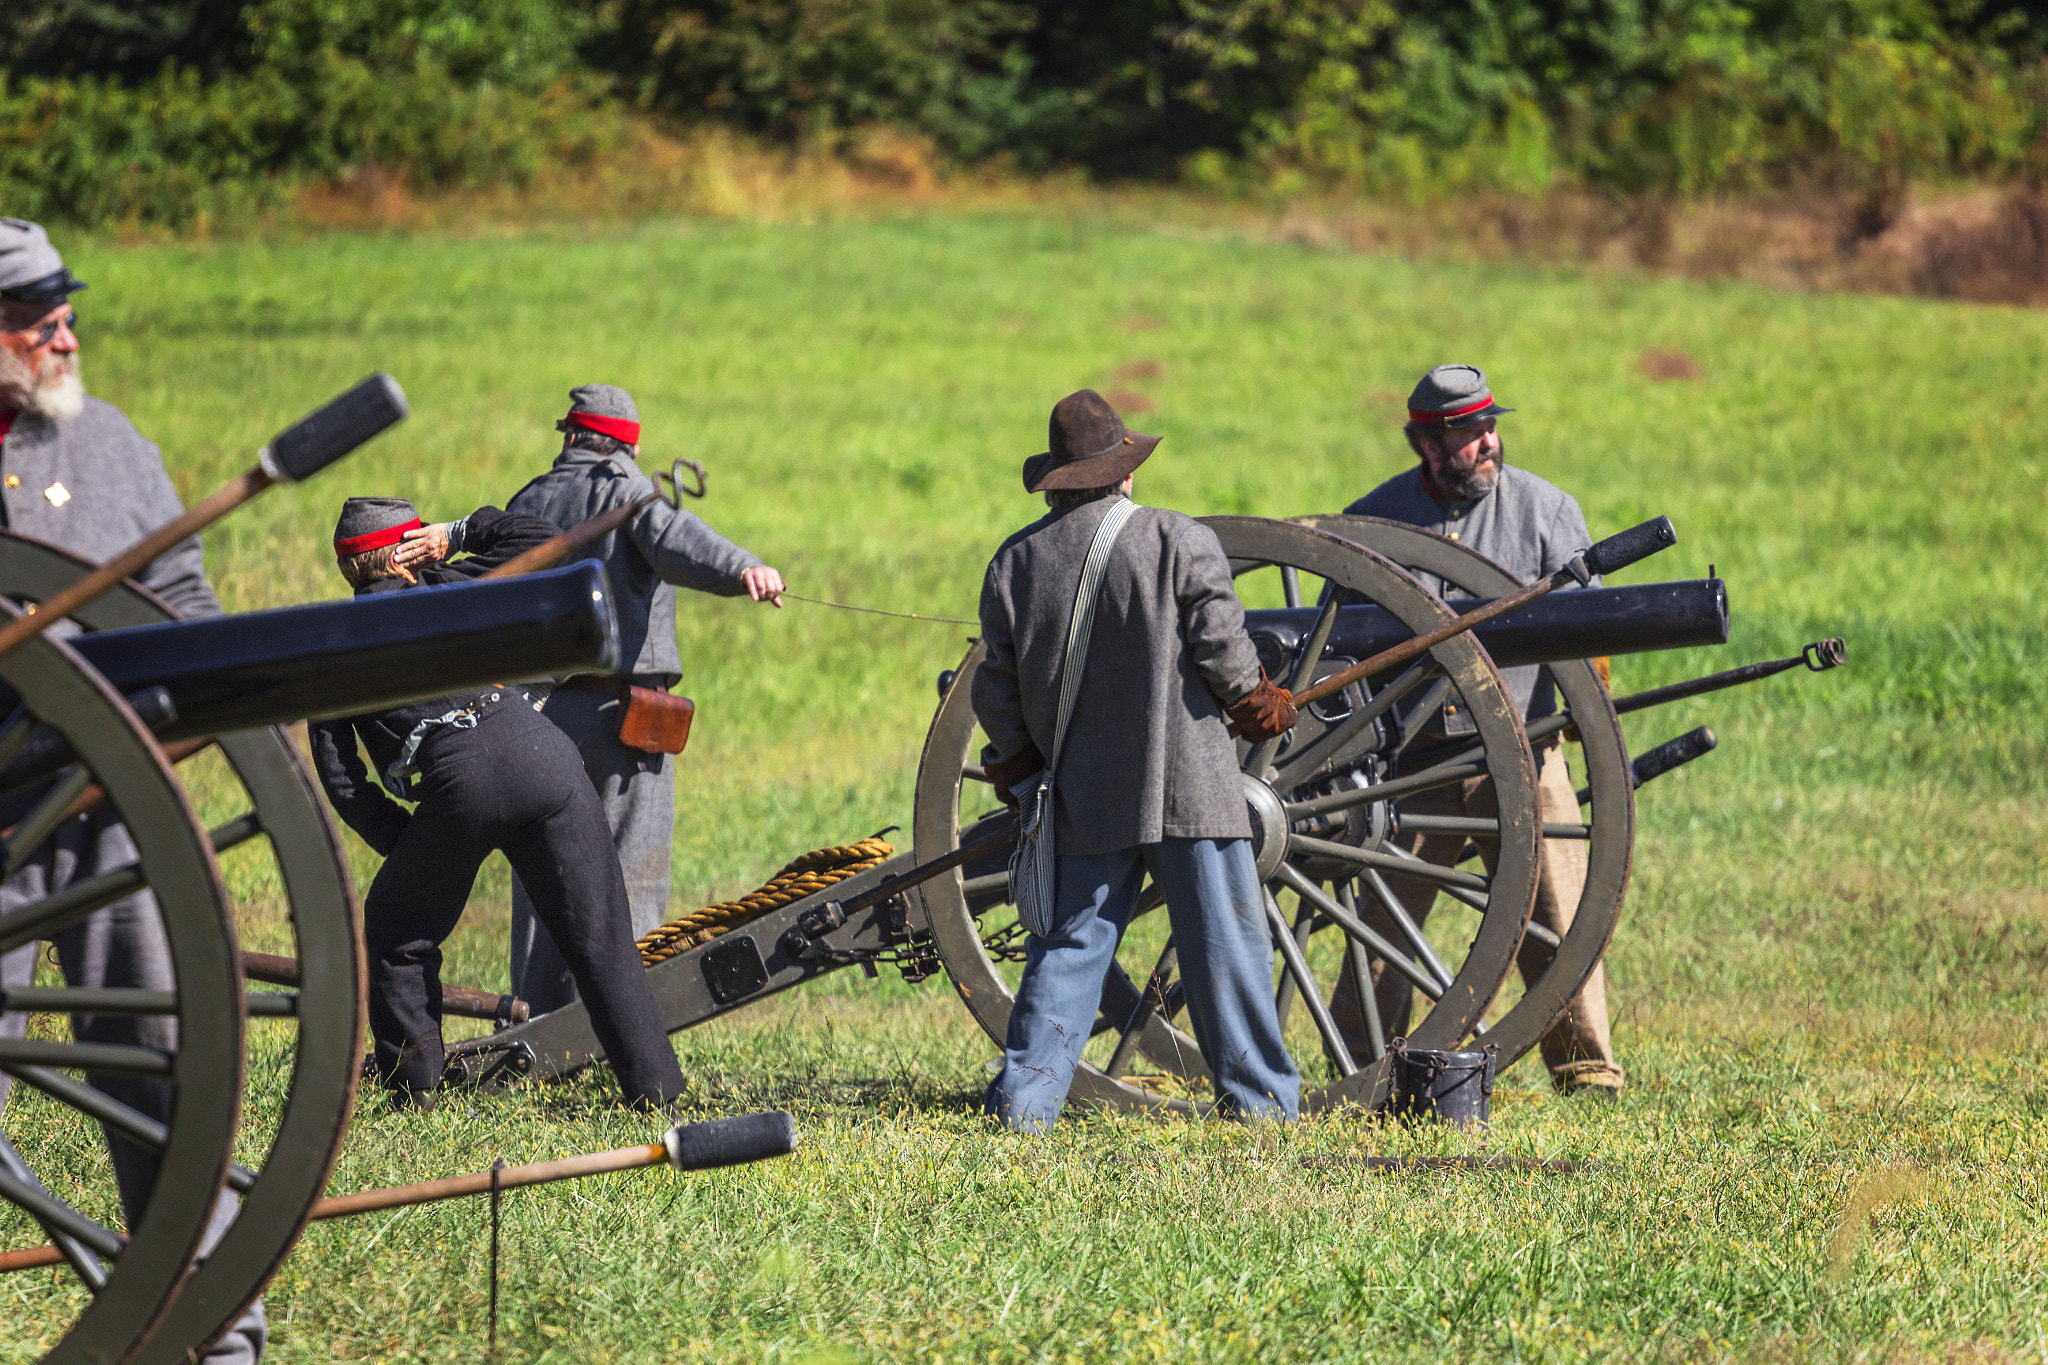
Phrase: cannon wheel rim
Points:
(1252, 540)
(1610, 851)
(327, 926)
(178, 867)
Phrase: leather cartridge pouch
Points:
(650, 720)
(654, 721)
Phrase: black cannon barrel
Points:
(1577, 624)
(258, 668)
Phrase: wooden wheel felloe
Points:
(283, 803)
(1325, 805)
(1584, 706)
(132, 1281)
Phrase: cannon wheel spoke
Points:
(1295, 964)
(1358, 967)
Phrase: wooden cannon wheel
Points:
(326, 1021)
(1610, 791)
(130, 1284)
(1318, 816)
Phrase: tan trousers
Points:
(1579, 1048)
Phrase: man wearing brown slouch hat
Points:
(1126, 761)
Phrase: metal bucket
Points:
(1450, 1087)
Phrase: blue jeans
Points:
(1217, 907)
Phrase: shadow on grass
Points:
(879, 1095)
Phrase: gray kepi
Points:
(1452, 396)
(31, 271)
(1091, 447)
(372, 523)
(605, 409)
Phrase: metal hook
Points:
(674, 479)
(1822, 655)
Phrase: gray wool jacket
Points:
(94, 486)
(1147, 754)
(1527, 525)
(657, 551)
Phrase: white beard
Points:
(62, 398)
(53, 388)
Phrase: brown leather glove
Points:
(1006, 773)
(1266, 712)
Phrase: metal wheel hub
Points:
(1269, 825)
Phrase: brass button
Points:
(1454, 535)
(14, 480)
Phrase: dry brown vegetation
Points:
(1982, 244)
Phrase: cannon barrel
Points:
(1565, 625)
(227, 673)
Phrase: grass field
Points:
(1828, 986)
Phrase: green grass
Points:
(1828, 986)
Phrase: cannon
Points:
(106, 717)
(1337, 782)
(101, 720)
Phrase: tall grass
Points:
(1828, 985)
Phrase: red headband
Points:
(1417, 416)
(618, 428)
(350, 546)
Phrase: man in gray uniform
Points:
(76, 473)
(1464, 488)
(1148, 778)
(657, 551)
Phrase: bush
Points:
(160, 110)
(178, 149)
(319, 88)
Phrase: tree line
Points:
(156, 110)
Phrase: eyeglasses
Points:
(47, 333)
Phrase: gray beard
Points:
(53, 388)
(1473, 483)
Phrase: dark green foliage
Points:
(157, 108)
(297, 88)
(795, 68)
(1659, 96)
(127, 39)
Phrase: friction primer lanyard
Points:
(399, 776)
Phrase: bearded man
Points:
(75, 472)
(1463, 487)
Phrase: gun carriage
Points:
(103, 718)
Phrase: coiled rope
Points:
(811, 873)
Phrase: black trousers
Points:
(515, 783)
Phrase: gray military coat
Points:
(95, 486)
(657, 549)
(1147, 754)
(1527, 525)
